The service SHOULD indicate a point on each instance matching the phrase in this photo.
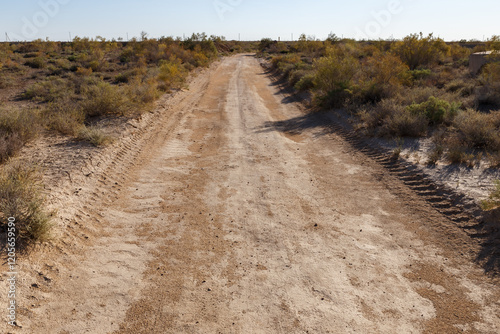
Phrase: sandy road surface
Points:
(224, 224)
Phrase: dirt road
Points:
(219, 221)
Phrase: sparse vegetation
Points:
(416, 87)
(21, 197)
(493, 201)
(72, 89)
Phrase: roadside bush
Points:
(21, 197)
(334, 75)
(104, 99)
(435, 110)
(23, 123)
(403, 123)
(306, 82)
(478, 130)
(381, 77)
(493, 200)
(65, 117)
(94, 135)
(416, 50)
(172, 74)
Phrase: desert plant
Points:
(103, 98)
(493, 200)
(94, 135)
(172, 73)
(65, 117)
(403, 123)
(436, 154)
(334, 75)
(37, 62)
(478, 130)
(435, 110)
(21, 198)
(49, 90)
(416, 50)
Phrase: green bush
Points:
(419, 74)
(435, 110)
(306, 82)
(333, 80)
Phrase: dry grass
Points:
(94, 135)
(493, 201)
(17, 128)
(21, 197)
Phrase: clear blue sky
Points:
(253, 19)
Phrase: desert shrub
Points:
(102, 99)
(37, 62)
(460, 54)
(265, 43)
(403, 123)
(94, 135)
(144, 92)
(296, 75)
(172, 73)
(65, 117)
(125, 77)
(306, 82)
(21, 198)
(23, 123)
(493, 200)
(6, 81)
(286, 63)
(460, 86)
(419, 74)
(374, 117)
(490, 78)
(436, 154)
(381, 77)
(435, 110)
(416, 50)
(478, 130)
(334, 75)
(49, 90)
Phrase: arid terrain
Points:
(229, 209)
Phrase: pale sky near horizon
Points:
(250, 19)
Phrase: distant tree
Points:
(332, 38)
(265, 43)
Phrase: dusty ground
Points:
(229, 211)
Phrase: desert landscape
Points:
(202, 184)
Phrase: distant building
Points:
(479, 59)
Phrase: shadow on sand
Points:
(483, 228)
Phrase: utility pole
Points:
(70, 39)
(292, 36)
(239, 37)
(127, 37)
